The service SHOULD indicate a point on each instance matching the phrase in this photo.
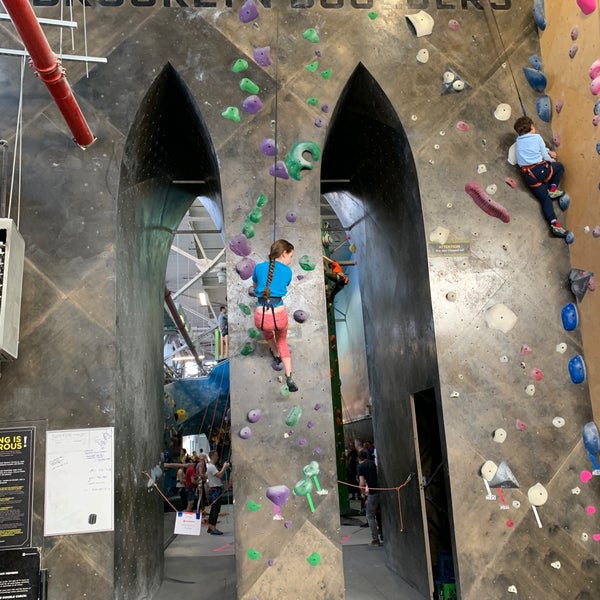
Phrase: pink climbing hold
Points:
(592, 284)
(510, 181)
(559, 105)
(520, 425)
(596, 231)
(525, 350)
(594, 69)
(595, 86)
(587, 6)
(462, 126)
(596, 537)
(596, 120)
(585, 476)
(536, 374)
(590, 510)
(484, 202)
(556, 140)
(454, 24)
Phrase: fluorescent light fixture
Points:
(203, 298)
(187, 358)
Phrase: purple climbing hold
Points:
(300, 316)
(245, 433)
(276, 366)
(262, 56)
(271, 562)
(239, 245)
(484, 202)
(245, 268)
(279, 170)
(268, 147)
(325, 108)
(319, 122)
(573, 50)
(559, 105)
(254, 415)
(317, 406)
(556, 139)
(596, 231)
(248, 12)
(287, 524)
(300, 277)
(252, 104)
(574, 33)
(318, 53)
(291, 216)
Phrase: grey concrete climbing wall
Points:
(97, 227)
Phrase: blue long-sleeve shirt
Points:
(531, 149)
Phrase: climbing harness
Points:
(272, 303)
(526, 170)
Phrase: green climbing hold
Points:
(314, 559)
(232, 113)
(253, 333)
(326, 74)
(306, 264)
(262, 200)
(284, 391)
(253, 506)
(255, 215)
(312, 101)
(293, 416)
(248, 229)
(255, 554)
(247, 349)
(372, 15)
(294, 160)
(239, 65)
(311, 35)
(249, 86)
(244, 308)
(313, 66)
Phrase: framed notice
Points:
(79, 495)
(17, 449)
(20, 574)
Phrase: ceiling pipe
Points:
(48, 67)
(184, 332)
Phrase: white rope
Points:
(85, 41)
(17, 150)
(60, 36)
(72, 32)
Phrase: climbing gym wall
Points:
(242, 98)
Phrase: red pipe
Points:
(48, 68)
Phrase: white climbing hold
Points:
(491, 189)
(454, 394)
(500, 317)
(576, 491)
(555, 564)
(530, 389)
(584, 537)
(423, 55)
(488, 470)
(500, 435)
(512, 589)
(504, 358)
(481, 169)
(439, 235)
(558, 422)
(516, 504)
(561, 348)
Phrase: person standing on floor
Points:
(367, 479)
(271, 280)
(215, 489)
(224, 331)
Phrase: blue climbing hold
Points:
(570, 237)
(591, 443)
(536, 79)
(539, 15)
(597, 107)
(569, 316)
(544, 108)
(564, 202)
(535, 62)
(598, 147)
(577, 369)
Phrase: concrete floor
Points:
(208, 562)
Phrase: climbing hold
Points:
(319, 122)
(312, 101)
(262, 200)
(262, 56)
(462, 126)
(452, 81)
(561, 348)
(580, 280)
(325, 108)
(248, 229)
(253, 506)
(512, 589)
(247, 85)
(525, 350)
(314, 559)
(575, 33)
(484, 202)
(488, 470)
(536, 374)
(511, 182)
(284, 391)
(278, 494)
(504, 477)
(564, 202)
(255, 215)
(453, 24)
(279, 169)
(558, 422)
(244, 308)
(520, 425)
(503, 111)
(239, 65)
(420, 24)
(253, 554)
(481, 169)
(311, 35)
(530, 389)
(535, 62)
(539, 15)
(587, 6)
(597, 107)
(254, 415)
(544, 108)
(291, 216)
(537, 495)
(300, 316)
(596, 231)
(313, 66)
(559, 105)
(594, 69)
(569, 316)
(268, 147)
(499, 436)
(295, 160)
(253, 333)
(570, 237)
(577, 369)
(245, 433)
(500, 317)
(556, 140)
(595, 86)
(423, 55)
(596, 120)
(535, 78)
(239, 245)
(245, 268)
(180, 414)
(327, 73)
(252, 104)
(573, 50)
(248, 12)
(555, 564)
(231, 113)
(293, 416)
(247, 349)
(306, 264)
(491, 189)
(372, 15)
(439, 235)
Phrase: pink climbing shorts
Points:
(263, 319)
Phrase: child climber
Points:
(271, 279)
(541, 171)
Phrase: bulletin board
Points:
(79, 494)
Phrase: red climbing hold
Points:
(484, 202)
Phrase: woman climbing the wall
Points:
(271, 279)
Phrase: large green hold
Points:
(295, 161)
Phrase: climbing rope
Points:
(276, 155)
(18, 151)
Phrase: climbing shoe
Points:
(557, 229)
(291, 384)
(277, 359)
(556, 194)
